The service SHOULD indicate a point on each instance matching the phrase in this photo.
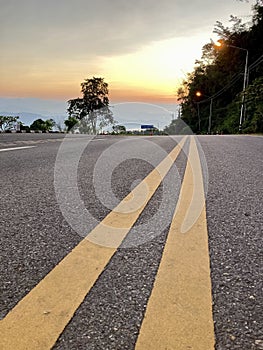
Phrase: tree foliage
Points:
(92, 109)
(220, 74)
(42, 125)
(119, 129)
(70, 122)
(178, 127)
(7, 122)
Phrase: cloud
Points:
(48, 47)
(93, 28)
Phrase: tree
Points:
(220, 74)
(93, 107)
(177, 127)
(120, 129)
(254, 107)
(7, 122)
(70, 122)
(23, 127)
(42, 125)
(50, 123)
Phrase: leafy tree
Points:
(37, 124)
(93, 107)
(24, 127)
(50, 123)
(254, 107)
(220, 74)
(7, 122)
(42, 125)
(120, 129)
(177, 127)
(70, 122)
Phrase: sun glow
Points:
(218, 44)
(156, 70)
(152, 73)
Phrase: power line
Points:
(234, 80)
(256, 63)
(218, 93)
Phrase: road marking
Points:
(41, 316)
(15, 148)
(179, 311)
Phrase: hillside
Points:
(213, 95)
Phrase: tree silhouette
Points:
(93, 107)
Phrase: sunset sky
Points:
(142, 48)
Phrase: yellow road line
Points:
(179, 312)
(40, 317)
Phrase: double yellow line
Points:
(178, 314)
(179, 311)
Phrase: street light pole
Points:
(198, 114)
(210, 116)
(245, 82)
(198, 94)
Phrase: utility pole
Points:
(245, 83)
(210, 116)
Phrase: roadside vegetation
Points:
(12, 124)
(8, 122)
(216, 88)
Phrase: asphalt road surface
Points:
(135, 282)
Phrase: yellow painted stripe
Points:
(40, 317)
(179, 312)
